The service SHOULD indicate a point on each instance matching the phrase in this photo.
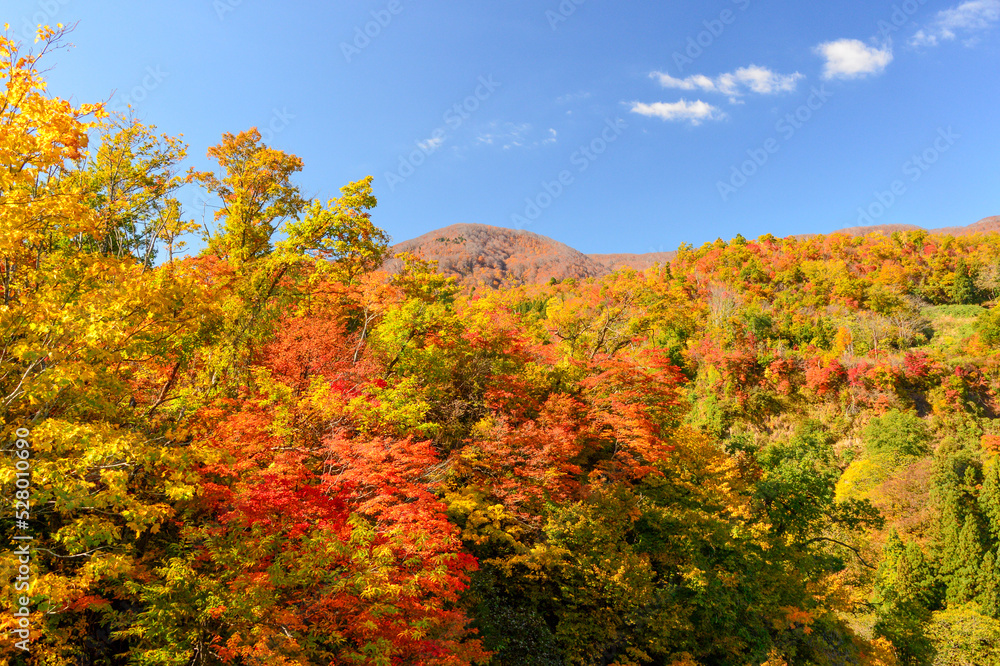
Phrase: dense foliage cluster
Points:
(765, 452)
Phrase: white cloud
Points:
(514, 135)
(508, 135)
(432, 144)
(852, 59)
(966, 20)
(752, 79)
(693, 112)
(690, 83)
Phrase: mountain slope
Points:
(477, 253)
(639, 262)
(987, 225)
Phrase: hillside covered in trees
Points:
(763, 452)
(493, 256)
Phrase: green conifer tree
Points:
(963, 586)
(963, 289)
(989, 587)
(949, 531)
(989, 497)
(899, 599)
(917, 579)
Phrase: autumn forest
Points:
(781, 451)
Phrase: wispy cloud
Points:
(513, 135)
(507, 135)
(752, 79)
(570, 98)
(967, 21)
(683, 111)
(432, 144)
(853, 59)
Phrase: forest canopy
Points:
(270, 451)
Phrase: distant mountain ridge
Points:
(987, 225)
(479, 253)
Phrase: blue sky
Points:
(611, 126)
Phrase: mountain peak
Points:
(477, 253)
